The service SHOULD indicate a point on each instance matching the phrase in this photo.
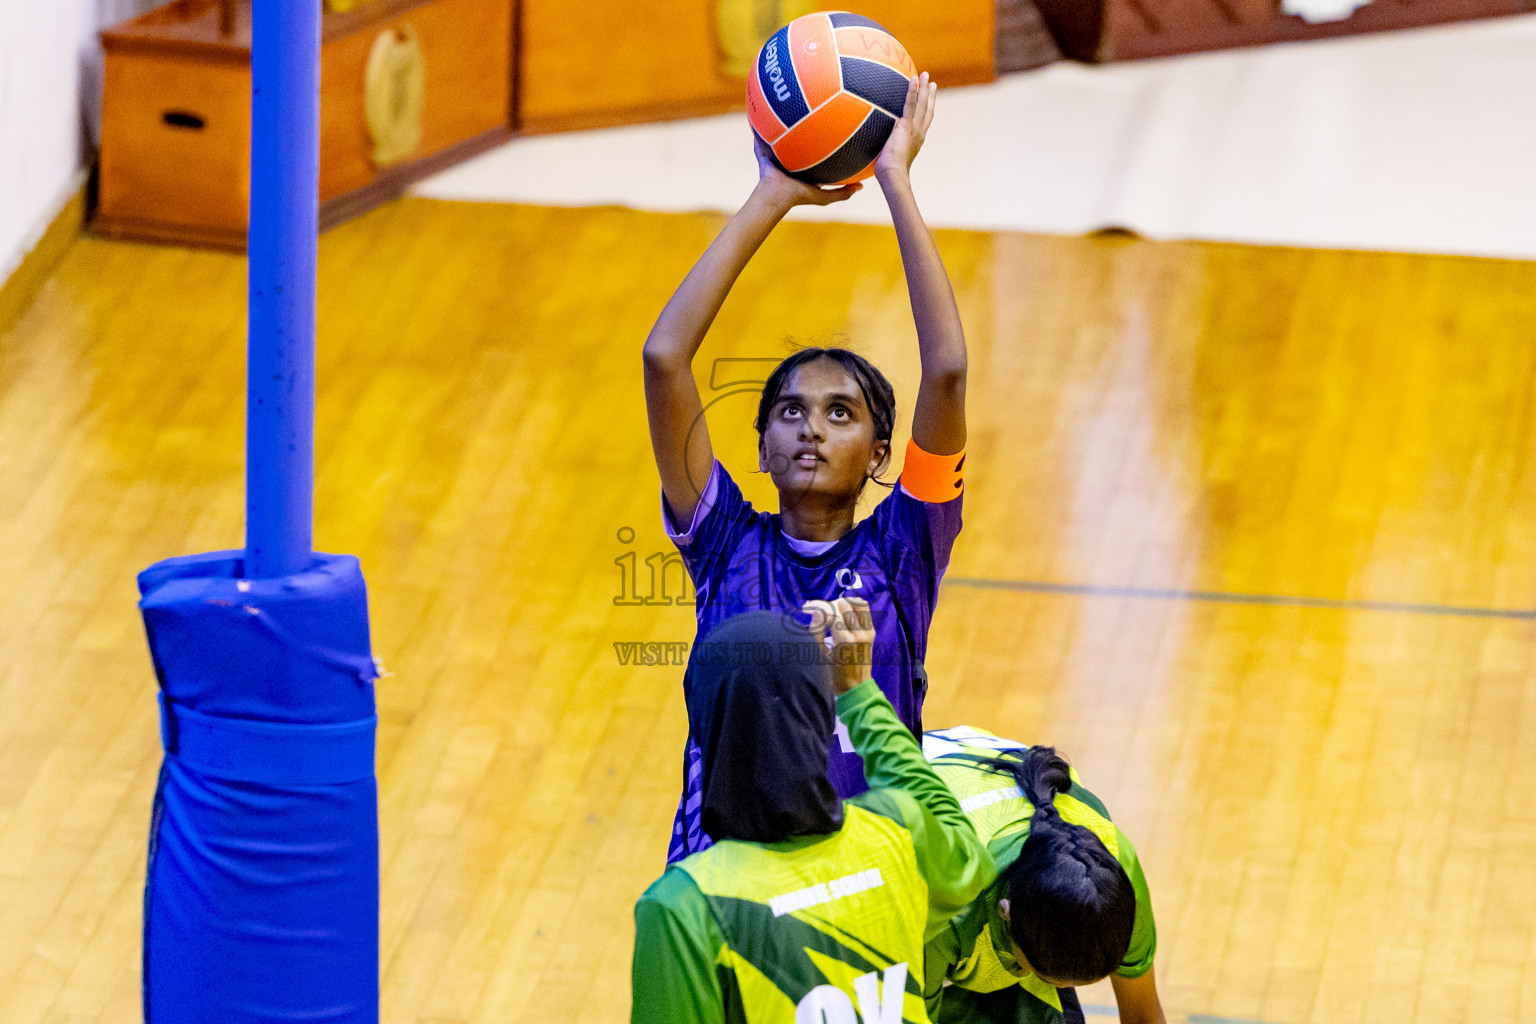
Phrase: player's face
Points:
(1018, 956)
(820, 437)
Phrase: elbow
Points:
(659, 359)
(949, 378)
(946, 364)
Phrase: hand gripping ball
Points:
(824, 94)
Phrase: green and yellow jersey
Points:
(973, 953)
(817, 927)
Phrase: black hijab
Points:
(761, 709)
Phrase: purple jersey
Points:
(740, 560)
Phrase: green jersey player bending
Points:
(809, 909)
(1069, 906)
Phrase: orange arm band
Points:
(932, 478)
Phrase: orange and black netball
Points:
(824, 94)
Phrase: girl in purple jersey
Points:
(824, 429)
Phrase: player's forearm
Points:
(893, 759)
(938, 416)
(950, 856)
(940, 336)
(680, 329)
(1136, 999)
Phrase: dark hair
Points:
(877, 391)
(1071, 904)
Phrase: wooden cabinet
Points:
(175, 147)
(1106, 30)
(615, 61)
(175, 130)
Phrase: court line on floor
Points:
(1228, 597)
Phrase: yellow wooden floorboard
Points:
(1334, 804)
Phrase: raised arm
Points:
(938, 418)
(679, 436)
(950, 856)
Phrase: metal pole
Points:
(280, 346)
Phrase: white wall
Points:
(50, 102)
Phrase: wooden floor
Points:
(1289, 499)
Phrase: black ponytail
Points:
(1071, 904)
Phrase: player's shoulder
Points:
(723, 518)
(727, 492)
(926, 517)
(675, 913)
(900, 498)
(891, 804)
(1082, 794)
(674, 890)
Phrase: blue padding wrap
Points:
(262, 899)
(276, 753)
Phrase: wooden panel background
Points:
(178, 184)
(467, 58)
(615, 61)
(579, 65)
